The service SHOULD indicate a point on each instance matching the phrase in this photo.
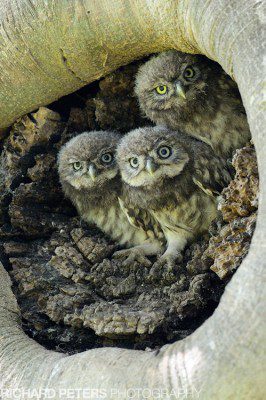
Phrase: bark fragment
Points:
(239, 202)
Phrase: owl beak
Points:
(92, 172)
(151, 166)
(180, 89)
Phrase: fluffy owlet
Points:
(90, 178)
(176, 178)
(194, 95)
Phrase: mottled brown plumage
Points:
(175, 178)
(90, 178)
(193, 94)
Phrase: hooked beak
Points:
(93, 172)
(180, 89)
(151, 166)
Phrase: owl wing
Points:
(142, 219)
(212, 174)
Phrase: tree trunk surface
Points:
(49, 49)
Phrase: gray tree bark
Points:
(50, 48)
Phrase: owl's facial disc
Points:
(162, 160)
(180, 84)
(173, 90)
(89, 174)
(87, 162)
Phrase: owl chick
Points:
(90, 178)
(176, 178)
(193, 94)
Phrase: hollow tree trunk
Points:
(50, 48)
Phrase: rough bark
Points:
(223, 358)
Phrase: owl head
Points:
(148, 156)
(88, 160)
(174, 82)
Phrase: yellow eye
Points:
(161, 89)
(189, 73)
(77, 165)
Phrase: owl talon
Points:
(165, 268)
(132, 255)
(169, 260)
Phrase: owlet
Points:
(174, 177)
(194, 95)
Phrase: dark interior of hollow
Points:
(73, 297)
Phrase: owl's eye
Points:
(107, 158)
(164, 152)
(161, 89)
(77, 165)
(134, 162)
(189, 73)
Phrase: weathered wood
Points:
(51, 48)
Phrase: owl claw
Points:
(165, 268)
(169, 260)
(132, 255)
